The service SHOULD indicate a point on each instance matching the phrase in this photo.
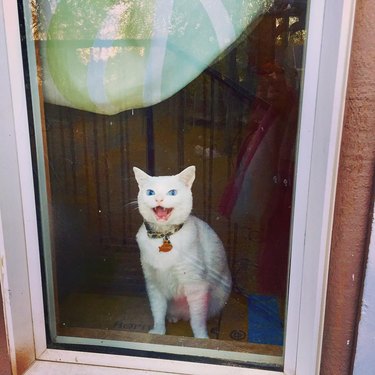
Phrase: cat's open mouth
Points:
(162, 213)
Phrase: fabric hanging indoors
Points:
(107, 56)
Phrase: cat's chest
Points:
(153, 253)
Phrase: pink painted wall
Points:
(353, 201)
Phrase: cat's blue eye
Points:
(150, 192)
(172, 192)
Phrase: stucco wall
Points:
(353, 200)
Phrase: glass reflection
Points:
(160, 86)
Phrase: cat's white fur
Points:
(192, 281)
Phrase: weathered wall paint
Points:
(353, 200)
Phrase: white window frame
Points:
(326, 70)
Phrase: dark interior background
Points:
(212, 123)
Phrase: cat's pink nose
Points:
(159, 199)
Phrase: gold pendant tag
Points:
(165, 247)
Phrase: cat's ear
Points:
(140, 176)
(187, 176)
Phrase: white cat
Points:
(183, 260)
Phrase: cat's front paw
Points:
(201, 335)
(157, 331)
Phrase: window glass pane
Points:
(161, 86)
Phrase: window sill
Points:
(63, 362)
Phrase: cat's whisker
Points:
(131, 203)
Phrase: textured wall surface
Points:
(353, 201)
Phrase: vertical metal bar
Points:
(86, 167)
(97, 177)
(72, 159)
(128, 172)
(124, 177)
(62, 143)
(150, 141)
(204, 162)
(211, 148)
(108, 215)
(181, 131)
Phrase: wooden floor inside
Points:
(128, 319)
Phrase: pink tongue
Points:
(161, 212)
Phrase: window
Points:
(312, 196)
(218, 102)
